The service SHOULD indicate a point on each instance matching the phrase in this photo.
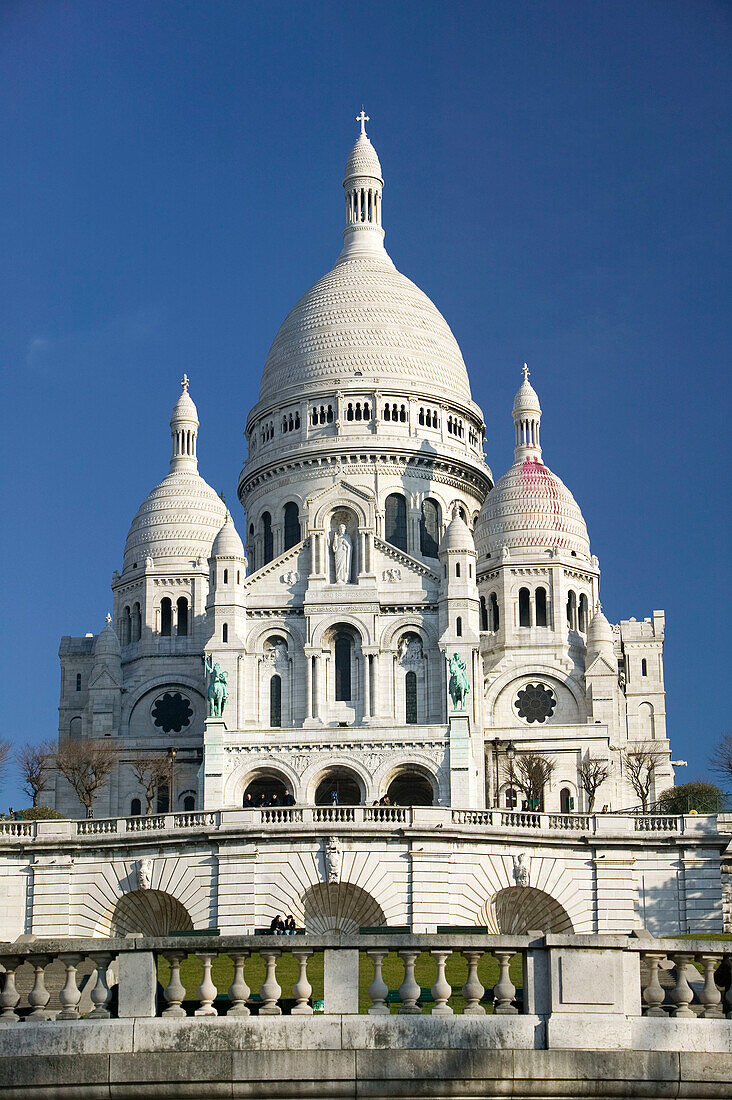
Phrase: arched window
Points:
(495, 615)
(646, 721)
(182, 617)
(267, 542)
(582, 613)
(136, 623)
(126, 626)
(292, 525)
(429, 528)
(483, 614)
(189, 803)
(166, 617)
(342, 648)
(225, 633)
(524, 607)
(75, 729)
(78, 681)
(459, 627)
(540, 599)
(572, 611)
(410, 698)
(395, 520)
(275, 700)
(644, 670)
(135, 807)
(457, 568)
(566, 802)
(226, 576)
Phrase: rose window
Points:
(535, 702)
(171, 712)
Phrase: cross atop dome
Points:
(525, 371)
(363, 118)
(184, 383)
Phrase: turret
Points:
(363, 185)
(184, 431)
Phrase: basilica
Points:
(393, 624)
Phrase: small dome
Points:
(527, 399)
(531, 508)
(178, 521)
(457, 535)
(184, 408)
(362, 160)
(227, 543)
(107, 643)
(600, 638)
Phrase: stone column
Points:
(366, 686)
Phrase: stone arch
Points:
(407, 624)
(341, 497)
(329, 626)
(516, 910)
(401, 774)
(339, 907)
(238, 783)
(262, 632)
(564, 687)
(139, 712)
(337, 764)
(151, 912)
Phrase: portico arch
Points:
(267, 781)
(349, 786)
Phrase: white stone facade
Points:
(365, 441)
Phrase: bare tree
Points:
(592, 774)
(149, 771)
(87, 766)
(640, 766)
(529, 773)
(721, 759)
(5, 749)
(35, 763)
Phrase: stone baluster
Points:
(504, 990)
(302, 988)
(9, 996)
(270, 990)
(70, 995)
(378, 989)
(174, 991)
(409, 991)
(442, 989)
(710, 996)
(206, 991)
(238, 991)
(101, 992)
(682, 993)
(473, 989)
(653, 994)
(39, 996)
(728, 996)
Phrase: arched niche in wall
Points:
(150, 912)
(340, 907)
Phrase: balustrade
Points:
(441, 974)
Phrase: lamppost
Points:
(172, 753)
(510, 751)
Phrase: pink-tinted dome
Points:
(530, 508)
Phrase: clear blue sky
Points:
(557, 177)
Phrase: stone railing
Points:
(683, 979)
(381, 818)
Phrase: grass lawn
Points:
(191, 973)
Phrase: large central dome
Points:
(364, 322)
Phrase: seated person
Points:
(277, 926)
(290, 926)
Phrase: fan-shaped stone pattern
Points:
(520, 909)
(339, 907)
(152, 912)
(178, 520)
(365, 316)
(531, 507)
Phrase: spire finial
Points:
(363, 118)
(109, 618)
(525, 371)
(184, 383)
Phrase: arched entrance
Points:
(342, 783)
(520, 909)
(266, 788)
(410, 788)
(339, 907)
(152, 912)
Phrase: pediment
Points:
(601, 666)
(395, 566)
(102, 678)
(341, 492)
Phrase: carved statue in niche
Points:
(144, 869)
(521, 866)
(410, 651)
(216, 695)
(332, 859)
(459, 684)
(342, 546)
(276, 653)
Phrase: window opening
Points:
(166, 617)
(541, 616)
(395, 520)
(343, 668)
(182, 617)
(275, 700)
(524, 607)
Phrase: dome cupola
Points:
(363, 185)
(106, 644)
(178, 521)
(227, 543)
(600, 638)
(530, 509)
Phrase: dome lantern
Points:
(363, 185)
(527, 419)
(184, 431)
